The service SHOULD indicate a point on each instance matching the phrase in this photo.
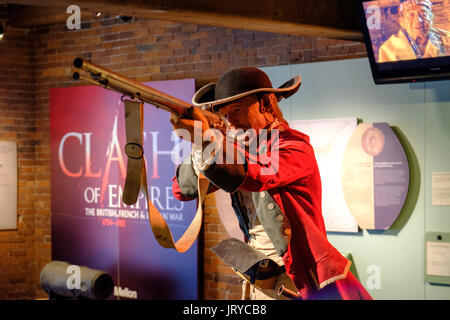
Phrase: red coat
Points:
(311, 261)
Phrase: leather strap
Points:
(136, 181)
(134, 115)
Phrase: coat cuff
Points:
(225, 174)
(187, 180)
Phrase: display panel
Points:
(329, 138)
(91, 226)
(375, 176)
(407, 40)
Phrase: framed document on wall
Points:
(437, 257)
(8, 185)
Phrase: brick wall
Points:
(144, 50)
(17, 106)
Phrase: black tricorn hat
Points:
(239, 83)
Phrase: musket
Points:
(107, 79)
(136, 179)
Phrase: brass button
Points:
(280, 217)
(270, 206)
(262, 194)
(287, 231)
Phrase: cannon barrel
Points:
(71, 281)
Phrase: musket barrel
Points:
(283, 291)
(134, 88)
(114, 81)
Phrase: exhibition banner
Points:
(91, 226)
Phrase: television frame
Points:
(427, 69)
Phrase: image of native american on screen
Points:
(409, 29)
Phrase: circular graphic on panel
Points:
(372, 141)
(375, 176)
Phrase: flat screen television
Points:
(407, 40)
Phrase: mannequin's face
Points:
(245, 113)
(417, 23)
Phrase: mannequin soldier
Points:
(277, 202)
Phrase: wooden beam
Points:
(26, 16)
(315, 18)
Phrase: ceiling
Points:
(335, 19)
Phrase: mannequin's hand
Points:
(195, 125)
